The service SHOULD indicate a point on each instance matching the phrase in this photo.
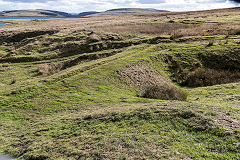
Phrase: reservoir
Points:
(6, 158)
(34, 18)
(40, 18)
(3, 25)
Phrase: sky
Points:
(77, 6)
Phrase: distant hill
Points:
(34, 13)
(120, 11)
(87, 13)
(51, 13)
(236, 1)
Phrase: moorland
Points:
(145, 86)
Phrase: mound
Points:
(142, 76)
(152, 84)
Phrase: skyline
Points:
(77, 6)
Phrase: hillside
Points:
(87, 13)
(50, 13)
(120, 11)
(34, 13)
(153, 86)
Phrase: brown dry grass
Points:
(47, 69)
(133, 24)
(163, 92)
(141, 75)
(4, 65)
(209, 77)
(151, 83)
(195, 14)
(175, 29)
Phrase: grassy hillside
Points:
(87, 13)
(34, 13)
(51, 13)
(130, 11)
(97, 88)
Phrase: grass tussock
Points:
(48, 69)
(152, 84)
(163, 92)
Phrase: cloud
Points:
(28, 1)
(151, 1)
(76, 6)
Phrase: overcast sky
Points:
(76, 6)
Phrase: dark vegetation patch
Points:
(45, 47)
(227, 60)
(210, 77)
(17, 37)
(205, 69)
(152, 84)
(163, 92)
(51, 68)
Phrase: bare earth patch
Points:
(227, 121)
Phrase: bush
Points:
(208, 77)
(163, 92)
(210, 43)
(13, 81)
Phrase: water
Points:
(3, 25)
(6, 158)
(41, 18)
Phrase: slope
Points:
(120, 11)
(70, 93)
(34, 13)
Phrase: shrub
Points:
(210, 43)
(171, 21)
(163, 92)
(13, 81)
(208, 77)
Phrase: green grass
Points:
(207, 19)
(88, 111)
(3, 50)
(151, 131)
(225, 97)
